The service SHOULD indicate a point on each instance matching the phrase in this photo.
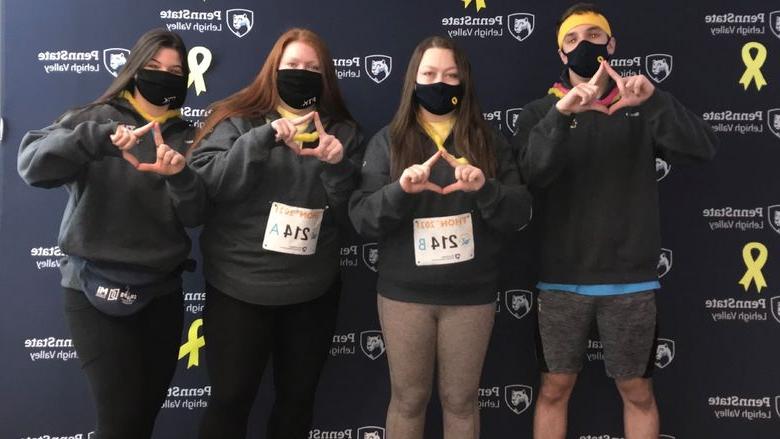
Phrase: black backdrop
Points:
(717, 377)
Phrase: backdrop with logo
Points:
(718, 352)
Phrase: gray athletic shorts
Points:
(626, 325)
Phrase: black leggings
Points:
(239, 339)
(129, 361)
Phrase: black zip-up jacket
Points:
(245, 170)
(594, 183)
(381, 210)
(115, 213)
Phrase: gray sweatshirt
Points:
(245, 170)
(115, 213)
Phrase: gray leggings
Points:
(419, 336)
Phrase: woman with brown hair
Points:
(279, 161)
(131, 196)
(439, 192)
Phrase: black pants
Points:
(129, 361)
(239, 339)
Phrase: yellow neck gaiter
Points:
(170, 114)
(302, 136)
(438, 132)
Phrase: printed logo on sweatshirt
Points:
(730, 24)
(517, 25)
(376, 67)
(664, 262)
(657, 66)
(518, 398)
(742, 219)
(752, 408)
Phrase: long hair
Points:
(261, 97)
(145, 48)
(471, 133)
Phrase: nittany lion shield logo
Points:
(372, 344)
(518, 302)
(378, 67)
(521, 25)
(774, 23)
(664, 262)
(90, 435)
(371, 255)
(114, 59)
(773, 119)
(664, 352)
(518, 397)
(658, 66)
(240, 21)
(510, 119)
(371, 432)
(662, 168)
(773, 216)
(775, 304)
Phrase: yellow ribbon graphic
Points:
(193, 345)
(754, 265)
(197, 69)
(479, 3)
(753, 65)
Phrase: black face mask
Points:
(299, 88)
(161, 88)
(439, 98)
(584, 60)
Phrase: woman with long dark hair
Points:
(279, 160)
(131, 195)
(439, 191)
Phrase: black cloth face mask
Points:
(161, 88)
(585, 59)
(299, 88)
(438, 98)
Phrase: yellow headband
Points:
(575, 20)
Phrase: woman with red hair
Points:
(279, 161)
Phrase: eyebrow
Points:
(590, 29)
(158, 62)
(428, 66)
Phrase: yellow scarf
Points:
(302, 136)
(170, 114)
(438, 132)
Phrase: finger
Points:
(162, 150)
(454, 187)
(318, 123)
(177, 160)
(601, 108)
(433, 187)
(138, 132)
(600, 73)
(303, 119)
(459, 172)
(428, 163)
(130, 158)
(612, 73)
(168, 157)
(149, 167)
(158, 138)
(618, 105)
(313, 152)
(449, 158)
(476, 175)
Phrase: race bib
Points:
(443, 240)
(292, 230)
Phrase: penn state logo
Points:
(518, 397)
(773, 216)
(371, 255)
(91, 435)
(658, 66)
(774, 303)
(518, 302)
(521, 25)
(240, 21)
(664, 352)
(662, 168)
(371, 432)
(773, 119)
(664, 262)
(114, 59)
(378, 67)
(511, 119)
(372, 344)
(774, 23)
